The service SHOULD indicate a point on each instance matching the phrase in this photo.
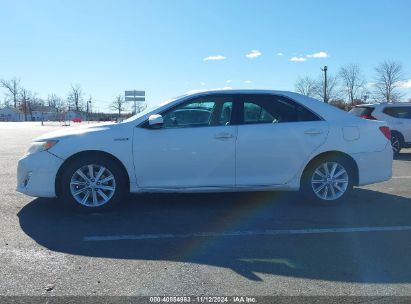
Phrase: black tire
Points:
(396, 143)
(307, 190)
(112, 168)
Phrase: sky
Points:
(170, 47)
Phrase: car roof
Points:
(382, 104)
(289, 94)
(235, 91)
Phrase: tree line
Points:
(27, 101)
(18, 97)
(349, 86)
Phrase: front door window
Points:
(200, 112)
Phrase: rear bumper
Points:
(36, 174)
(374, 167)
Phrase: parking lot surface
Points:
(267, 243)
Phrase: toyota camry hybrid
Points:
(214, 141)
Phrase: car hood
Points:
(73, 131)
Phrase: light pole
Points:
(90, 110)
(88, 107)
(325, 83)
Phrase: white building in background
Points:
(11, 114)
(44, 113)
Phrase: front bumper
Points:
(36, 174)
(374, 167)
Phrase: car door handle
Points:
(224, 136)
(313, 132)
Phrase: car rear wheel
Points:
(93, 183)
(396, 143)
(327, 181)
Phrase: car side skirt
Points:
(286, 187)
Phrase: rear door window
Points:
(264, 109)
(255, 113)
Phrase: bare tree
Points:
(332, 88)
(6, 103)
(25, 106)
(353, 82)
(52, 100)
(36, 101)
(389, 75)
(13, 86)
(75, 97)
(140, 107)
(306, 86)
(56, 102)
(118, 105)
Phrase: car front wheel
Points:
(93, 183)
(327, 181)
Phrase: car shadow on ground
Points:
(375, 257)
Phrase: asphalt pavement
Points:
(267, 243)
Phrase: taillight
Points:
(386, 131)
(368, 117)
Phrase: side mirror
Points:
(155, 121)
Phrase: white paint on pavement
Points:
(244, 233)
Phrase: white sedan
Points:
(214, 141)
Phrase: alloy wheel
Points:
(395, 143)
(92, 185)
(329, 181)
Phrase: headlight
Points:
(39, 146)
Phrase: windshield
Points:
(152, 108)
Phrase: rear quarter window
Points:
(362, 111)
(274, 109)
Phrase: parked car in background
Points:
(398, 117)
(214, 141)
